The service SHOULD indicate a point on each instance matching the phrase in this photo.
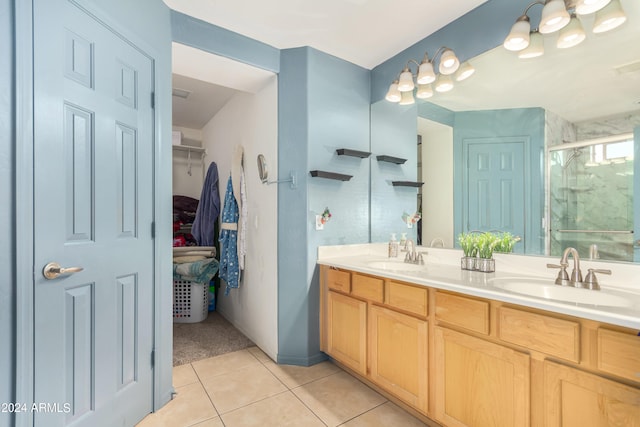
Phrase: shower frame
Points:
(547, 162)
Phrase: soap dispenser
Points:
(403, 241)
(393, 246)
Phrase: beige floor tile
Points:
(223, 364)
(385, 415)
(190, 406)
(282, 410)
(213, 422)
(241, 387)
(295, 376)
(259, 354)
(183, 375)
(338, 398)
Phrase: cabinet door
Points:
(578, 399)
(398, 351)
(346, 331)
(479, 383)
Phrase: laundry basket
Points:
(190, 301)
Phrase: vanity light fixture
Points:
(554, 16)
(449, 68)
(571, 35)
(562, 16)
(585, 7)
(609, 17)
(535, 48)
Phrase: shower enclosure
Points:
(591, 198)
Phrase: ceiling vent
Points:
(181, 93)
(628, 68)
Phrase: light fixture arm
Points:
(407, 68)
(526, 10)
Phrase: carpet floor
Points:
(211, 337)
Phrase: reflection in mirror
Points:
(591, 197)
(580, 94)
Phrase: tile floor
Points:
(246, 388)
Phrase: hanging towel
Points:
(208, 209)
(229, 267)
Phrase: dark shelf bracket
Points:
(352, 153)
(416, 184)
(330, 175)
(391, 159)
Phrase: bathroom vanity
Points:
(463, 349)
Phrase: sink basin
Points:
(545, 288)
(395, 266)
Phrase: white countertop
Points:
(442, 271)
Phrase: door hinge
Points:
(153, 358)
(153, 230)
(153, 100)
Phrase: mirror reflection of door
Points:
(494, 187)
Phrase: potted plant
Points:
(468, 243)
(486, 245)
(506, 242)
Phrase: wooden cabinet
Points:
(479, 383)
(466, 361)
(346, 329)
(578, 399)
(398, 355)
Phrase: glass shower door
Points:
(591, 198)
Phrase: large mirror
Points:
(523, 109)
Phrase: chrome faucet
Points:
(590, 282)
(413, 257)
(563, 278)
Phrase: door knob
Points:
(53, 270)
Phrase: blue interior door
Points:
(494, 190)
(93, 187)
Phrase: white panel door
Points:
(93, 130)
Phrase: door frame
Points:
(24, 211)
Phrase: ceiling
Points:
(598, 78)
(363, 32)
(593, 76)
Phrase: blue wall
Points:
(323, 105)
(7, 218)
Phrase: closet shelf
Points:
(352, 153)
(330, 175)
(186, 148)
(391, 159)
(416, 184)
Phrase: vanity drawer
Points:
(547, 334)
(465, 312)
(406, 297)
(339, 280)
(619, 354)
(367, 287)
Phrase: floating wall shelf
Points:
(352, 153)
(330, 175)
(407, 183)
(390, 159)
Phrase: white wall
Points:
(183, 183)
(251, 120)
(437, 174)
